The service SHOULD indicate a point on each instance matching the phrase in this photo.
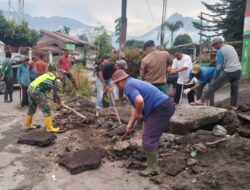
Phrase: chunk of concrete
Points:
(82, 160)
(244, 116)
(37, 138)
(188, 117)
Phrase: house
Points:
(54, 43)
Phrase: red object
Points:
(247, 14)
(64, 64)
(31, 64)
(41, 67)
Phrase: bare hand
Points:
(130, 129)
(139, 116)
(106, 88)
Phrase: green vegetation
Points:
(182, 39)
(17, 35)
(227, 19)
(131, 44)
(173, 27)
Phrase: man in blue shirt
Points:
(228, 69)
(23, 78)
(204, 76)
(151, 104)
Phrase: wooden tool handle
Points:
(75, 112)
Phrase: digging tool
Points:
(20, 96)
(116, 111)
(182, 87)
(74, 111)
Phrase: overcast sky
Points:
(141, 17)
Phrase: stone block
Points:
(37, 138)
(188, 117)
(82, 160)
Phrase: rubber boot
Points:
(152, 164)
(11, 97)
(49, 125)
(28, 122)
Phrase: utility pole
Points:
(201, 30)
(163, 19)
(123, 28)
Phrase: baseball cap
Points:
(196, 69)
(149, 43)
(122, 63)
(217, 40)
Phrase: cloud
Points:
(104, 12)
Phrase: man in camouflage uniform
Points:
(37, 97)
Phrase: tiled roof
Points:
(64, 37)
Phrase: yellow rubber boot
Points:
(49, 125)
(28, 122)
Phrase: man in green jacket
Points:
(23, 78)
(8, 78)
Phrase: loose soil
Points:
(223, 166)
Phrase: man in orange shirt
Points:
(63, 65)
(41, 66)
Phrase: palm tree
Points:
(173, 27)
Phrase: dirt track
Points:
(225, 166)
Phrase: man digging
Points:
(151, 104)
(37, 97)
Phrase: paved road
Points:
(25, 167)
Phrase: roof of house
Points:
(64, 37)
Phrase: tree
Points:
(131, 44)
(227, 19)
(103, 42)
(86, 47)
(182, 39)
(17, 35)
(173, 27)
(65, 30)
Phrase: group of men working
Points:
(147, 96)
(149, 101)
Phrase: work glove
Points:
(186, 91)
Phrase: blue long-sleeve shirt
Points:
(23, 75)
(219, 63)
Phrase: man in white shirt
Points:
(182, 65)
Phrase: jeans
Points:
(190, 95)
(225, 77)
(199, 92)
(100, 91)
(25, 100)
(9, 88)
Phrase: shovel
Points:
(116, 112)
(74, 111)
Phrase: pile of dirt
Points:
(186, 162)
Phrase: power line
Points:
(150, 11)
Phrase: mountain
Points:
(57, 22)
(187, 29)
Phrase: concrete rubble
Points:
(37, 138)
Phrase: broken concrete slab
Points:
(37, 138)
(188, 117)
(117, 131)
(244, 116)
(82, 160)
(244, 131)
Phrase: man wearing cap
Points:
(182, 66)
(37, 97)
(204, 76)
(64, 65)
(103, 83)
(228, 69)
(151, 104)
(154, 66)
(23, 78)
